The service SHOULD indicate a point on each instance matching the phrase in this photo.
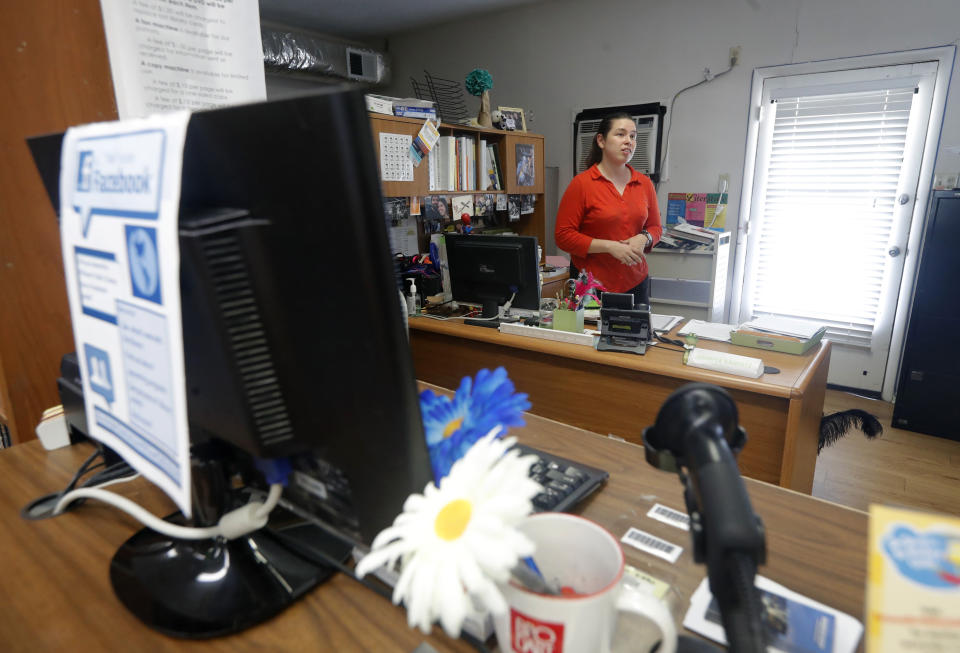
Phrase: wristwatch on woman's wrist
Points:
(644, 232)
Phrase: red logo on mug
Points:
(530, 635)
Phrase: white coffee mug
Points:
(580, 554)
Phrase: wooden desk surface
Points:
(57, 593)
(791, 382)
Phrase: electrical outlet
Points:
(735, 55)
(939, 181)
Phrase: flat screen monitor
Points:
(489, 270)
(295, 352)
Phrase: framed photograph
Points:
(512, 119)
(526, 170)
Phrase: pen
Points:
(527, 573)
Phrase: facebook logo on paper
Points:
(85, 174)
(119, 176)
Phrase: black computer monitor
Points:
(294, 348)
(489, 270)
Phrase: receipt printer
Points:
(623, 326)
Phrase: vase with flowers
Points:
(579, 293)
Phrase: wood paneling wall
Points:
(54, 73)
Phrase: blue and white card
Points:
(120, 196)
(794, 623)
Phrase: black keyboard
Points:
(565, 482)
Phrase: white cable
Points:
(116, 481)
(233, 524)
(720, 207)
(665, 171)
(273, 497)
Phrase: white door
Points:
(834, 187)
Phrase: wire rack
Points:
(446, 94)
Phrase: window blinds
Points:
(833, 169)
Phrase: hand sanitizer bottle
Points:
(413, 301)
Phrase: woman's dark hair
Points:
(596, 154)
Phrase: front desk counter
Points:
(620, 394)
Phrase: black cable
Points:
(42, 507)
(660, 346)
(322, 558)
(112, 473)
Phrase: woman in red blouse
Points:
(608, 217)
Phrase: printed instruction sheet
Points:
(119, 205)
(172, 55)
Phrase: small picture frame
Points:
(512, 119)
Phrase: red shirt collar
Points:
(596, 174)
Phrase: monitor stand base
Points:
(490, 314)
(493, 324)
(208, 588)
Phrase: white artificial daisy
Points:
(457, 541)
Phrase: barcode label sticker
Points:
(669, 516)
(633, 577)
(652, 544)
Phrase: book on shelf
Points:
(482, 165)
(461, 163)
(390, 106)
(446, 163)
(472, 161)
(414, 112)
(493, 167)
(434, 169)
(467, 158)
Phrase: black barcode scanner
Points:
(696, 434)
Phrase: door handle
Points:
(894, 251)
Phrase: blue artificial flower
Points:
(452, 426)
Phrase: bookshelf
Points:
(531, 224)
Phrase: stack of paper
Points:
(786, 326)
(693, 233)
(663, 322)
(708, 330)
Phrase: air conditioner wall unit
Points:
(649, 119)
